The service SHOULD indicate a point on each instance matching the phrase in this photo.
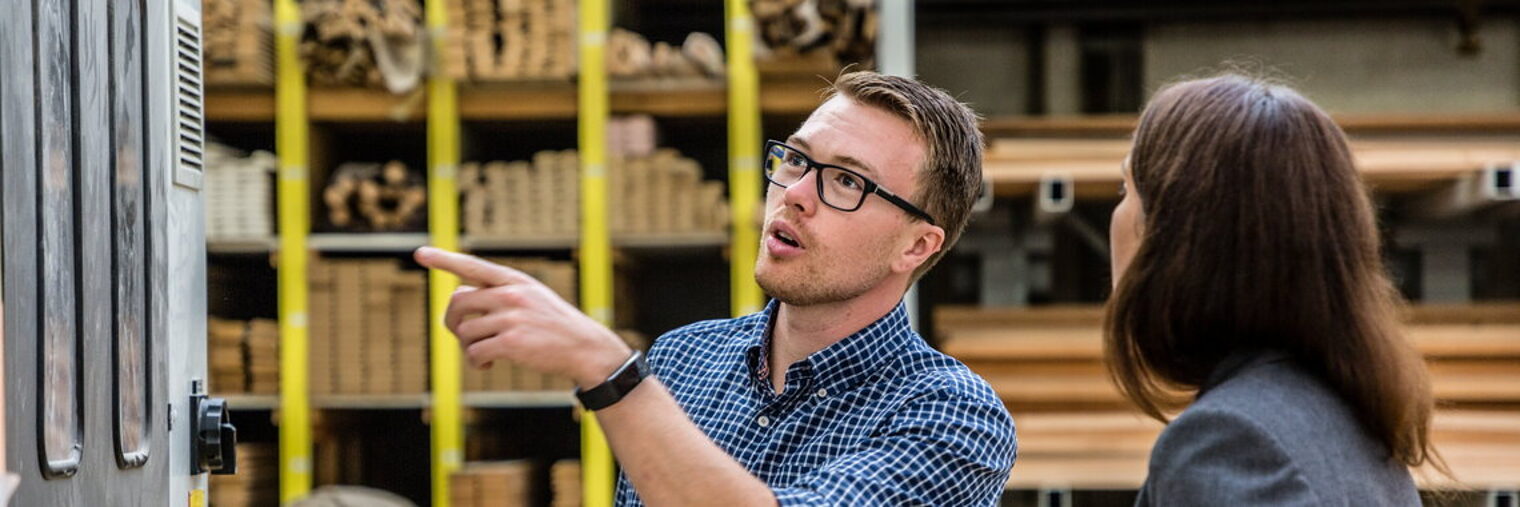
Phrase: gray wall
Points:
(983, 65)
(1364, 66)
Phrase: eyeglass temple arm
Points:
(902, 203)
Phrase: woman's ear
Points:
(925, 242)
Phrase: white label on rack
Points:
(745, 164)
(298, 320)
(293, 173)
(596, 171)
(602, 314)
(742, 24)
(301, 465)
(597, 38)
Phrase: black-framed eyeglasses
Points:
(838, 187)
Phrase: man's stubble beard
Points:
(810, 284)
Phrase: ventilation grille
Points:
(190, 118)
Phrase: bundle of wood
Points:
(630, 55)
(664, 193)
(244, 355)
(364, 196)
(845, 29)
(364, 43)
(238, 188)
(492, 484)
(368, 328)
(510, 40)
(225, 355)
(538, 198)
(565, 483)
(661, 193)
(257, 481)
(239, 45)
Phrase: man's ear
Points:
(926, 241)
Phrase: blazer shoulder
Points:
(1215, 456)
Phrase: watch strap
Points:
(618, 384)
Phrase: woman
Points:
(1248, 278)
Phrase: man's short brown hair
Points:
(951, 175)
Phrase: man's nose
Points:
(803, 194)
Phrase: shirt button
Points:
(763, 421)
(823, 393)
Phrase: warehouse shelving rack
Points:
(442, 106)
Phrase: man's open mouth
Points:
(786, 238)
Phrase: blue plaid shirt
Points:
(878, 418)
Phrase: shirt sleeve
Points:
(943, 448)
(1222, 458)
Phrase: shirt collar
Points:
(842, 365)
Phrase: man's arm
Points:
(668, 458)
(505, 314)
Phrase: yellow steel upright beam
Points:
(443, 226)
(743, 157)
(294, 217)
(596, 240)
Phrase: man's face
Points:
(811, 253)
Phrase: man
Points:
(826, 397)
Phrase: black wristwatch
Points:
(619, 384)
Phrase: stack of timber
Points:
(239, 46)
(257, 481)
(492, 484)
(239, 204)
(244, 356)
(565, 483)
(844, 30)
(368, 327)
(661, 193)
(631, 56)
(370, 197)
(511, 40)
(365, 43)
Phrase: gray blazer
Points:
(1264, 431)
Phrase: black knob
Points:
(213, 438)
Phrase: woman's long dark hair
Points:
(1258, 234)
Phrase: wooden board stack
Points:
(239, 45)
(662, 193)
(263, 356)
(257, 481)
(492, 484)
(512, 40)
(565, 483)
(368, 328)
(370, 197)
(631, 56)
(225, 355)
(364, 43)
(244, 355)
(843, 29)
(238, 190)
